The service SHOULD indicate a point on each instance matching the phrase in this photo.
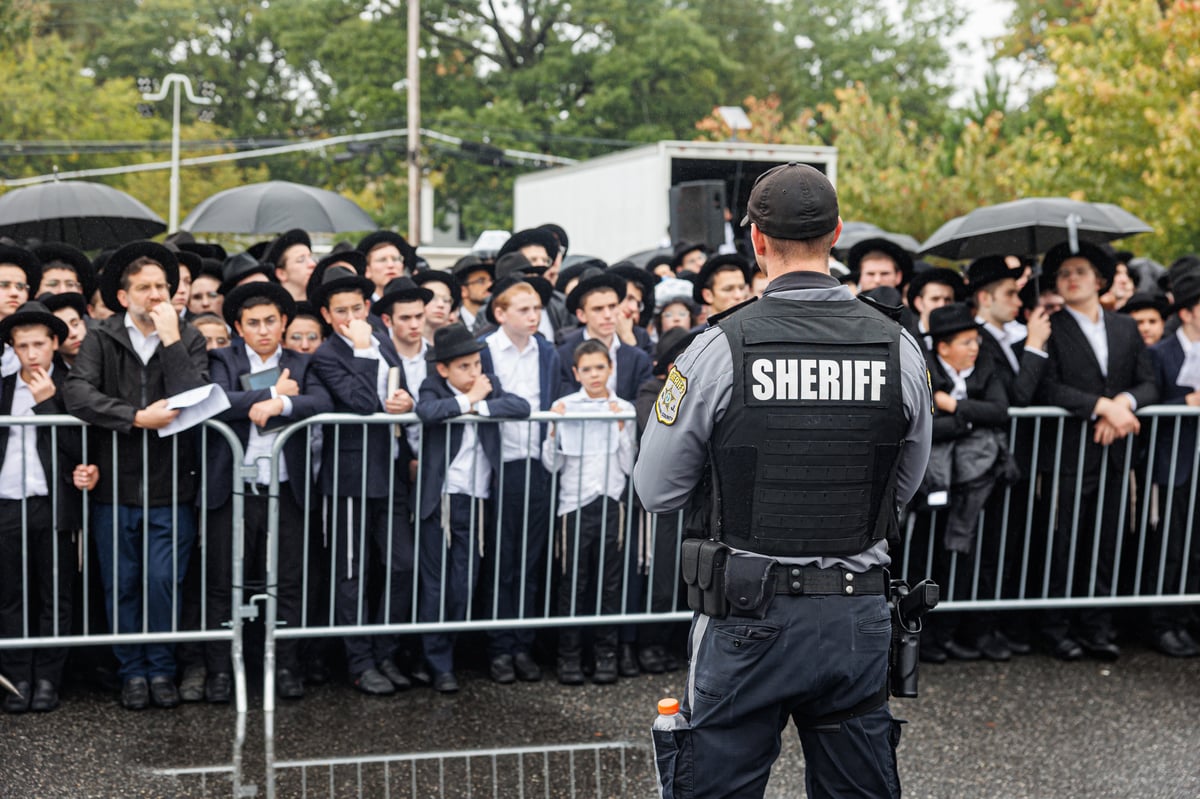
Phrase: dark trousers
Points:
(448, 572)
(665, 532)
(35, 589)
(1165, 544)
(514, 566)
(152, 553)
(811, 657)
(585, 570)
(288, 592)
(362, 532)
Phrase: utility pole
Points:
(177, 82)
(414, 123)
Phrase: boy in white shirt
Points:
(595, 459)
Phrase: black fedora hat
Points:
(259, 248)
(24, 260)
(68, 299)
(191, 262)
(712, 266)
(441, 276)
(235, 299)
(542, 286)
(591, 283)
(400, 289)
(1097, 256)
(274, 254)
(657, 261)
(351, 258)
(241, 266)
(559, 234)
(901, 256)
(110, 278)
(644, 280)
(205, 249)
(670, 346)
(682, 248)
(577, 270)
(1185, 288)
(524, 238)
(1144, 301)
(989, 269)
(32, 313)
(53, 253)
(516, 263)
(947, 277)
(382, 237)
(472, 263)
(452, 341)
(950, 319)
(333, 279)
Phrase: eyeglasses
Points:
(5, 285)
(69, 285)
(298, 338)
(479, 281)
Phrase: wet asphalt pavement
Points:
(1033, 727)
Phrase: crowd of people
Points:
(505, 519)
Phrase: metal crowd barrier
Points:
(1062, 536)
(92, 628)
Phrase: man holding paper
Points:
(126, 369)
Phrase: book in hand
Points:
(257, 381)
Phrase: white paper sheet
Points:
(195, 406)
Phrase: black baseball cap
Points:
(793, 201)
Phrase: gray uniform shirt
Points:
(672, 457)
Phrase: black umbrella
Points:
(853, 232)
(1030, 227)
(276, 206)
(85, 215)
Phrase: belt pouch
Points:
(711, 577)
(690, 565)
(750, 586)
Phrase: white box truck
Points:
(627, 202)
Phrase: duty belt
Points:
(810, 580)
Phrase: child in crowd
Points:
(212, 327)
(457, 465)
(594, 459)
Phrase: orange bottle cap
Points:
(668, 707)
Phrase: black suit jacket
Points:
(1167, 357)
(1073, 381)
(226, 366)
(1021, 386)
(352, 387)
(986, 404)
(67, 440)
(633, 367)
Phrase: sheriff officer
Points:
(813, 411)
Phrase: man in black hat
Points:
(361, 372)
(638, 306)
(442, 310)
(563, 242)
(1150, 311)
(724, 282)
(930, 289)
(388, 255)
(38, 487)
(402, 311)
(64, 269)
(690, 256)
(879, 262)
(1176, 362)
(596, 302)
(538, 245)
(266, 385)
(555, 318)
(807, 401)
(244, 268)
(291, 256)
(71, 308)
(126, 369)
(20, 273)
(475, 277)
(1099, 371)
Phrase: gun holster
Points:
(703, 562)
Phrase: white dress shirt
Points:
(144, 345)
(519, 374)
(584, 478)
(958, 378)
(258, 446)
(9, 363)
(1097, 337)
(1189, 372)
(469, 470)
(1006, 346)
(22, 474)
(416, 369)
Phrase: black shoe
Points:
(420, 673)
(959, 651)
(606, 668)
(1189, 643)
(445, 683)
(931, 652)
(45, 697)
(316, 672)
(1066, 649)
(218, 688)
(288, 685)
(163, 692)
(527, 668)
(501, 669)
(650, 659)
(135, 694)
(373, 683)
(1168, 643)
(18, 702)
(191, 687)
(389, 669)
(1015, 645)
(994, 647)
(569, 671)
(627, 664)
(1100, 648)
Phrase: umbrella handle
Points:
(1073, 221)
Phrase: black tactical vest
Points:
(804, 459)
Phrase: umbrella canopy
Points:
(853, 232)
(274, 207)
(85, 215)
(1030, 227)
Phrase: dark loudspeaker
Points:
(698, 212)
